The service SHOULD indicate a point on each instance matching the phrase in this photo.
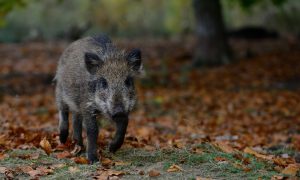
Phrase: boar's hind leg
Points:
(118, 140)
(92, 136)
(77, 128)
(63, 124)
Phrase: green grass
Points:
(202, 165)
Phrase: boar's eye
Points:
(129, 81)
(103, 83)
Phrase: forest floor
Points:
(237, 121)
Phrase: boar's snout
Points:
(119, 111)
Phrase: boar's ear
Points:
(134, 59)
(92, 62)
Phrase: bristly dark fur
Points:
(103, 40)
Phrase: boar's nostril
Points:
(119, 111)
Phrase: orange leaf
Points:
(256, 154)
(81, 160)
(121, 163)
(64, 154)
(220, 159)
(174, 168)
(106, 161)
(153, 173)
(46, 146)
(224, 147)
(292, 169)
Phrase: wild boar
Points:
(95, 77)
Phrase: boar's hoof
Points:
(92, 158)
(63, 136)
(114, 147)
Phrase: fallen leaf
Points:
(278, 168)
(104, 174)
(64, 154)
(291, 169)
(277, 177)
(73, 169)
(249, 150)
(174, 168)
(153, 173)
(224, 147)
(58, 166)
(121, 163)
(115, 173)
(240, 157)
(220, 159)
(34, 156)
(3, 139)
(106, 161)
(197, 151)
(9, 174)
(3, 156)
(25, 169)
(3, 170)
(81, 160)
(280, 161)
(141, 172)
(39, 171)
(46, 146)
(61, 147)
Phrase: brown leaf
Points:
(64, 154)
(280, 161)
(3, 156)
(46, 146)
(81, 160)
(121, 163)
(277, 177)
(58, 166)
(141, 172)
(197, 150)
(224, 147)
(34, 156)
(174, 168)
(39, 171)
(115, 173)
(220, 159)
(256, 154)
(3, 170)
(240, 157)
(153, 173)
(73, 169)
(291, 169)
(25, 169)
(106, 161)
(3, 139)
(104, 174)
(61, 147)
(7, 172)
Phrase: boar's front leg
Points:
(77, 128)
(121, 126)
(63, 125)
(92, 136)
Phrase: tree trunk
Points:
(212, 46)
